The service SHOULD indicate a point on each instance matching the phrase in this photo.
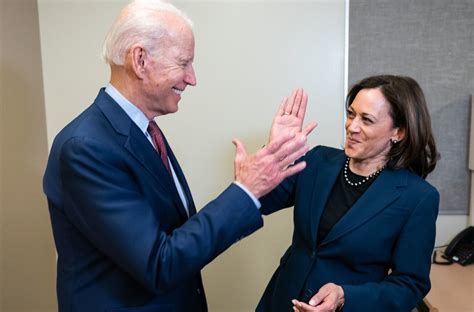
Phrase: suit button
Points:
(198, 291)
(313, 254)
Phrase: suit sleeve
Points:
(285, 194)
(281, 197)
(409, 279)
(106, 205)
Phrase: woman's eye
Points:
(367, 120)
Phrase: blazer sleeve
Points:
(106, 205)
(281, 197)
(408, 280)
(285, 194)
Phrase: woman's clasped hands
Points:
(329, 298)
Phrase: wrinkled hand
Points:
(328, 299)
(290, 116)
(264, 170)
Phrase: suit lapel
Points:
(383, 192)
(139, 146)
(181, 179)
(324, 182)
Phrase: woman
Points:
(364, 217)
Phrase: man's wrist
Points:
(250, 194)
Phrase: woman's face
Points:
(369, 128)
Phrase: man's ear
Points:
(138, 60)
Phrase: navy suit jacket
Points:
(124, 240)
(379, 251)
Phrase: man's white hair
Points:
(138, 22)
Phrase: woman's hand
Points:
(328, 299)
(290, 116)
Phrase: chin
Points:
(174, 110)
(350, 152)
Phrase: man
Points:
(124, 222)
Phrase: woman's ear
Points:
(399, 134)
(138, 60)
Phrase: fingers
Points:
(292, 150)
(293, 103)
(240, 152)
(302, 107)
(316, 299)
(281, 108)
(276, 144)
(289, 171)
(292, 156)
(297, 102)
(303, 307)
(309, 128)
(289, 104)
(328, 298)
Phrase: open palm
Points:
(290, 116)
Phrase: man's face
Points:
(169, 72)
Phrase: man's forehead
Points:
(173, 22)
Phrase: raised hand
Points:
(290, 116)
(328, 299)
(264, 170)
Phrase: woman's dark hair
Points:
(417, 151)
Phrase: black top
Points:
(342, 198)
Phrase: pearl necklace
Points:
(370, 176)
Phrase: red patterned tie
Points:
(159, 142)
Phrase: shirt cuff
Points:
(254, 199)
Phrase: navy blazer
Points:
(123, 238)
(379, 251)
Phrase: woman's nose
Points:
(353, 125)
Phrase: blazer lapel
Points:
(383, 192)
(325, 178)
(139, 146)
(181, 179)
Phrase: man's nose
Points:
(190, 77)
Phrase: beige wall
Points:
(27, 257)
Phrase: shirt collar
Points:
(130, 109)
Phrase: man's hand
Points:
(328, 299)
(264, 170)
(290, 116)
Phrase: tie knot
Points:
(153, 128)
(159, 142)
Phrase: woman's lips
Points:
(352, 140)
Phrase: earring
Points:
(394, 141)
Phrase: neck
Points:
(127, 86)
(368, 166)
